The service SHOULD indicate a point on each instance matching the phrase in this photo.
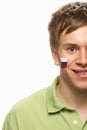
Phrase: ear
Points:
(55, 56)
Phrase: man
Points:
(63, 105)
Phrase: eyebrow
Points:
(69, 44)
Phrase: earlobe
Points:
(55, 56)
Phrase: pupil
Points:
(72, 49)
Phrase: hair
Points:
(69, 17)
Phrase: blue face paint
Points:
(63, 62)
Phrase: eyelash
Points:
(71, 49)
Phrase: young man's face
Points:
(73, 46)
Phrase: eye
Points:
(71, 49)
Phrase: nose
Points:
(82, 58)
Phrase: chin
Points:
(81, 88)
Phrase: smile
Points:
(80, 73)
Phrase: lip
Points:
(80, 73)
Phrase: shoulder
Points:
(28, 110)
(30, 103)
(36, 101)
(25, 111)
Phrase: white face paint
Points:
(63, 61)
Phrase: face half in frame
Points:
(73, 46)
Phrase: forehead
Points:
(77, 36)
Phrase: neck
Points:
(71, 97)
(74, 100)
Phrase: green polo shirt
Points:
(43, 111)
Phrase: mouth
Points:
(80, 73)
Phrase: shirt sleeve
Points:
(10, 123)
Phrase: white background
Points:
(26, 64)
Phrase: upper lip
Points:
(79, 70)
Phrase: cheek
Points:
(71, 60)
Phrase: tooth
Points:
(83, 73)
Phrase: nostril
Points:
(83, 65)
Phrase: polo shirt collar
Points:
(53, 104)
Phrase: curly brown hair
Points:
(70, 17)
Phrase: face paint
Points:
(63, 62)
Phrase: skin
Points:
(72, 89)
